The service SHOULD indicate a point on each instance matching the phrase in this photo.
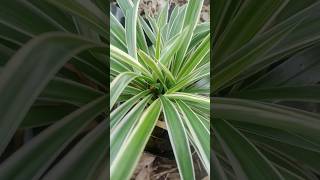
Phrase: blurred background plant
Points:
(265, 87)
(53, 85)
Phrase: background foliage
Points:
(265, 87)
(53, 81)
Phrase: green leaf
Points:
(141, 38)
(64, 90)
(199, 133)
(117, 29)
(303, 36)
(20, 74)
(191, 19)
(177, 24)
(178, 139)
(153, 23)
(172, 18)
(168, 52)
(289, 93)
(197, 99)
(121, 56)
(167, 73)
(223, 12)
(131, 29)
(255, 50)
(152, 64)
(117, 114)
(119, 84)
(125, 5)
(39, 154)
(38, 115)
(53, 15)
(247, 161)
(234, 37)
(25, 20)
(193, 77)
(147, 29)
(279, 135)
(125, 126)
(269, 115)
(89, 152)
(196, 57)
(79, 10)
(309, 158)
(163, 16)
(158, 45)
(300, 69)
(217, 168)
(124, 164)
(263, 88)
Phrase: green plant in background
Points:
(52, 89)
(265, 78)
(164, 80)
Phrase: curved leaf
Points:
(37, 151)
(178, 139)
(247, 161)
(24, 70)
(124, 164)
(119, 84)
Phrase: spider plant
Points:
(265, 78)
(53, 82)
(160, 75)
